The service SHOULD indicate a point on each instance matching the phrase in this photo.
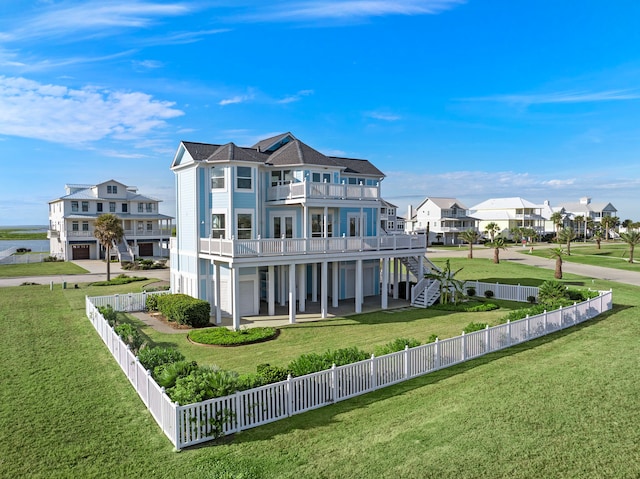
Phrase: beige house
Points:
(510, 213)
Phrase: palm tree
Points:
(632, 238)
(557, 254)
(497, 245)
(580, 221)
(556, 218)
(108, 229)
(449, 286)
(597, 235)
(492, 228)
(567, 235)
(608, 222)
(470, 236)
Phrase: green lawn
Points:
(563, 406)
(40, 269)
(23, 233)
(610, 255)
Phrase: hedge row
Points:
(183, 309)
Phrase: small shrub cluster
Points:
(468, 307)
(184, 309)
(144, 264)
(131, 336)
(51, 259)
(109, 314)
(488, 294)
(225, 337)
(471, 327)
(313, 362)
(471, 292)
(396, 345)
(151, 358)
(120, 279)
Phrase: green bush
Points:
(550, 292)
(471, 292)
(151, 358)
(151, 303)
(471, 327)
(431, 339)
(466, 307)
(225, 337)
(203, 383)
(272, 374)
(167, 374)
(185, 309)
(395, 346)
(531, 299)
(488, 294)
(109, 314)
(313, 362)
(120, 279)
(131, 336)
(51, 259)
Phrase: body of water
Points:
(37, 246)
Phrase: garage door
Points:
(80, 251)
(145, 249)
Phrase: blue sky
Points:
(471, 99)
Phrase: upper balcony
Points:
(307, 190)
(333, 247)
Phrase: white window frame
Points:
(245, 178)
(215, 169)
(239, 212)
(225, 226)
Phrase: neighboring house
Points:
(443, 218)
(509, 213)
(281, 223)
(390, 222)
(72, 219)
(584, 207)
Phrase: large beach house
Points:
(72, 219)
(280, 223)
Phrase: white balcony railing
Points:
(307, 190)
(129, 234)
(300, 246)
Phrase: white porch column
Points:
(420, 267)
(302, 287)
(335, 283)
(323, 289)
(396, 272)
(283, 291)
(314, 282)
(271, 290)
(292, 293)
(407, 288)
(235, 297)
(385, 284)
(359, 286)
(217, 300)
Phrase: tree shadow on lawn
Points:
(323, 416)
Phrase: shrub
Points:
(551, 292)
(120, 279)
(471, 327)
(531, 299)
(396, 345)
(131, 336)
(431, 339)
(468, 307)
(272, 374)
(185, 309)
(471, 292)
(166, 375)
(225, 337)
(203, 383)
(51, 259)
(581, 294)
(151, 303)
(488, 294)
(109, 314)
(151, 358)
(313, 362)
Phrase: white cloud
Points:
(559, 183)
(236, 99)
(95, 18)
(385, 116)
(296, 97)
(60, 114)
(561, 97)
(350, 10)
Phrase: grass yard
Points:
(40, 269)
(610, 255)
(563, 406)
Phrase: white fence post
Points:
(509, 331)
(544, 321)
(437, 353)
(407, 369)
(334, 382)
(463, 347)
(289, 396)
(486, 338)
(374, 372)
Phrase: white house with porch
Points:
(280, 223)
(442, 219)
(72, 222)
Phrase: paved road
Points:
(518, 254)
(97, 271)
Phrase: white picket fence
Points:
(193, 424)
(23, 258)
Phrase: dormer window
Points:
(112, 189)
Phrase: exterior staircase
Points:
(426, 291)
(124, 251)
